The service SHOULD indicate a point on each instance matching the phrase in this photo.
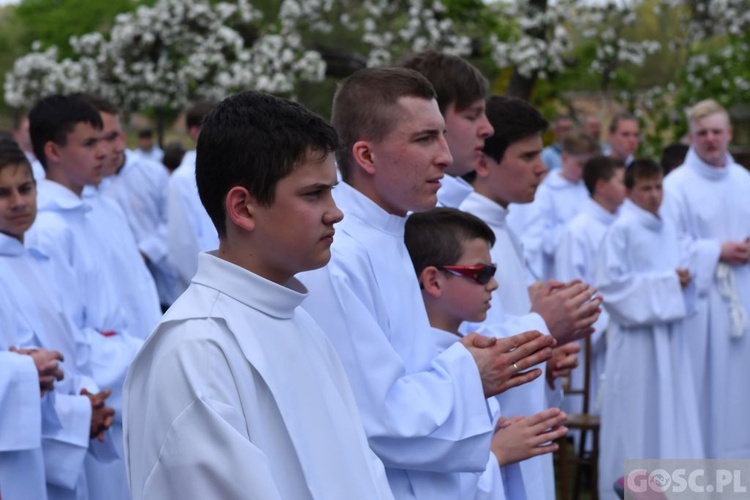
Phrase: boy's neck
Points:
(52, 176)
(441, 321)
(605, 204)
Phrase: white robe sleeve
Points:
(635, 298)
(704, 252)
(192, 466)
(432, 420)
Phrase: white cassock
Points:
(71, 227)
(21, 459)
(140, 189)
(155, 154)
(649, 407)
(453, 191)
(557, 201)
(36, 303)
(238, 394)
(189, 228)
(491, 483)
(511, 303)
(575, 258)
(425, 416)
(36, 167)
(709, 205)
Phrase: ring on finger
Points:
(515, 366)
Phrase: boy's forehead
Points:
(13, 172)
(714, 120)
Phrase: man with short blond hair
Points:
(707, 200)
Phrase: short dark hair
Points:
(437, 236)
(54, 117)
(196, 113)
(145, 133)
(101, 104)
(621, 117)
(513, 119)
(254, 140)
(456, 80)
(642, 169)
(672, 156)
(599, 168)
(11, 154)
(173, 154)
(365, 107)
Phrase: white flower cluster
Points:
(605, 22)
(541, 42)
(171, 54)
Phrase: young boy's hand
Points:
(520, 438)
(684, 276)
(502, 362)
(47, 364)
(568, 309)
(101, 416)
(564, 360)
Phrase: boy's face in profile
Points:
(80, 162)
(624, 141)
(411, 159)
(647, 193)
(613, 191)
(296, 230)
(17, 200)
(113, 141)
(466, 131)
(463, 297)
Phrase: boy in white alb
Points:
(575, 258)
(450, 250)
(238, 394)
(66, 132)
(649, 405)
(37, 307)
(558, 199)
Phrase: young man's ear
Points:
(52, 152)
(431, 281)
(364, 156)
(240, 207)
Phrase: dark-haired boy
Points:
(450, 250)
(510, 173)
(66, 132)
(425, 415)
(575, 257)
(460, 90)
(37, 281)
(649, 403)
(238, 394)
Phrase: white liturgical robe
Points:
(649, 407)
(575, 258)
(425, 416)
(238, 394)
(511, 299)
(453, 191)
(709, 205)
(189, 228)
(140, 188)
(557, 201)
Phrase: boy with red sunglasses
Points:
(450, 250)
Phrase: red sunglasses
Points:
(481, 274)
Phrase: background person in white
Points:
(238, 394)
(649, 406)
(707, 199)
(425, 416)
(66, 132)
(189, 228)
(36, 303)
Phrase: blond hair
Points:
(578, 143)
(705, 108)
